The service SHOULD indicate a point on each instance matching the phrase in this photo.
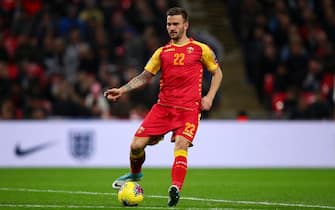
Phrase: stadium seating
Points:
(288, 46)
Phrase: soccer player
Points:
(179, 102)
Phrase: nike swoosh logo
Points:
(20, 152)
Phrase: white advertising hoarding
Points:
(93, 143)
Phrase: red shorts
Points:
(162, 119)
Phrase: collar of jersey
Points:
(180, 45)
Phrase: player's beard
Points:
(177, 36)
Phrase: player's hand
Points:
(206, 103)
(113, 94)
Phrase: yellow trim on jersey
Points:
(208, 57)
(154, 64)
(180, 152)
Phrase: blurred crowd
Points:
(57, 57)
(288, 48)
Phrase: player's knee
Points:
(137, 144)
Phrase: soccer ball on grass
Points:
(130, 194)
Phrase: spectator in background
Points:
(312, 80)
(328, 59)
(134, 45)
(281, 79)
(268, 65)
(96, 102)
(303, 37)
(319, 109)
(67, 102)
(296, 62)
(253, 51)
(53, 60)
(91, 11)
(4, 80)
(70, 21)
(88, 61)
(7, 110)
(71, 54)
(116, 28)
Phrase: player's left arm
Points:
(207, 100)
(212, 65)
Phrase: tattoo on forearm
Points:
(137, 81)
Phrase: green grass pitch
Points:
(90, 188)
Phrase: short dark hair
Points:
(178, 11)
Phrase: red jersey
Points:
(181, 72)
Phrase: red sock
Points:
(136, 162)
(179, 168)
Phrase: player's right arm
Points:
(114, 94)
(150, 70)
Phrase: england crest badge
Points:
(81, 144)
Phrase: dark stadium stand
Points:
(288, 49)
(57, 57)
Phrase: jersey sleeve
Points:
(209, 58)
(154, 64)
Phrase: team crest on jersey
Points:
(189, 50)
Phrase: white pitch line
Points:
(54, 191)
(91, 207)
(9, 205)
(264, 203)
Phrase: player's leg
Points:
(137, 158)
(151, 131)
(183, 138)
(137, 154)
(179, 169)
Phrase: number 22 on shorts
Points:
(189, 129)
